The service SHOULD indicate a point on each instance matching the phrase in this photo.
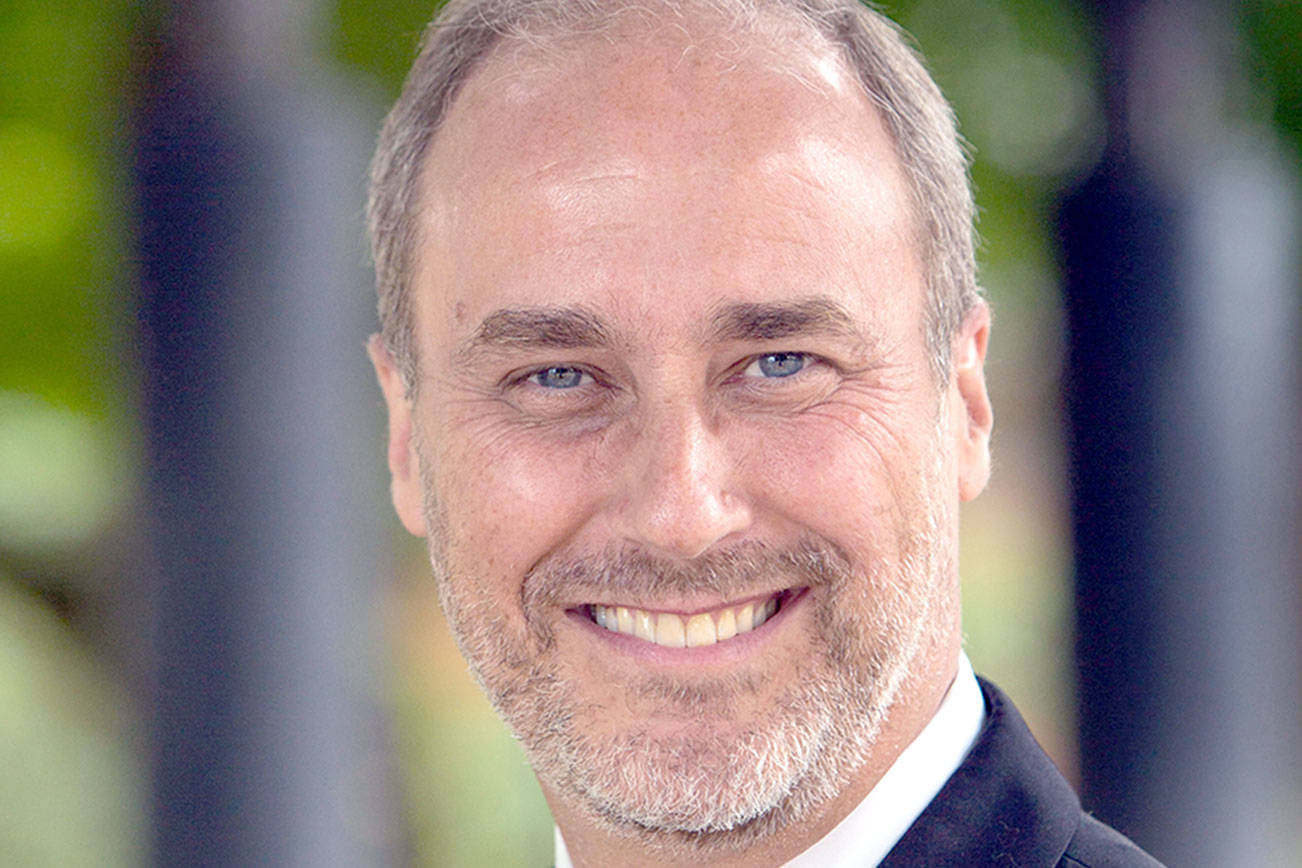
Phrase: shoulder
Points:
(1008, 805)
(1096, 845)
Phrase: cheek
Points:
(820, 480)
(510, 498)
(840, 477)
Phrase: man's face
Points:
(689, 484)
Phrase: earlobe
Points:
(404, 466)
(974, 415)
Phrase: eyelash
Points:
(757, 362)
(529, 378)
(587, 376)
(583, 374)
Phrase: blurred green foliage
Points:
(378, 38)
(62, 219)
(1273, 32)
(70, 781)
(71, 789)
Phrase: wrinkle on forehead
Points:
(669, 84)
(559, 149)
(584, 194)
(687, 142)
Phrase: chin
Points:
(713, 783)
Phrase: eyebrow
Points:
(531, 328)
(770, 320)
(536, 328)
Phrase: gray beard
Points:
(725, 783)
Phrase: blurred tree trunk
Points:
(1182, 386)
(268, 748)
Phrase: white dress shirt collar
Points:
(868, 833)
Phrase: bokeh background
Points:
(216, 645)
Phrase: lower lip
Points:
(729, 649)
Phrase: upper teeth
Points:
(690, 631)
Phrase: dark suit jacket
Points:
(1007, 805)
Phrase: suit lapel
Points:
(1005, 805)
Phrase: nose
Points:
(677, 497)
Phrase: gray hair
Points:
(919, 120)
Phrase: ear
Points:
(404, 467)
(971, 415)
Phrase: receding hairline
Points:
(537, 46)
(552, 62)
(772, 26)
(882, 59)
(517, 59)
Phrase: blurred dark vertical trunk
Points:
(267, 745)
(1182, 285)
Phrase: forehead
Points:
(611, 162)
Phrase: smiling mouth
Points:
(672, 630)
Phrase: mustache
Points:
(732, 572)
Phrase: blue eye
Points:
(558, 377)
(776, 365)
